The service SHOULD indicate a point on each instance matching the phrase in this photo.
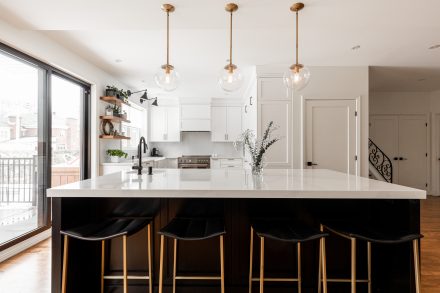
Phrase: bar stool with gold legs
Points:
(126, 220)
(354, 233)
(287, 231)
(197, 228)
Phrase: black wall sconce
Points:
(144, 97)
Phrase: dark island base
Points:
(392, 265)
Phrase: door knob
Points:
(311, 164)
(396, 159)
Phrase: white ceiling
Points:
(392, 33)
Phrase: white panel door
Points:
(158, 123)
(331, 135)
(384, 131)
(218, 124)
(413, 156)
(280, 112)
(173, 124)
(233, 123)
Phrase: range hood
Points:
(195, 118)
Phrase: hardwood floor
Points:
(30, 271)
(430, 222)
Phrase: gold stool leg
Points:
(102, 264)
(124, 261)
(175, 266)
(417, 264)
(370, 288)
(353, 265)
(298, 245)
(150, 261)
(261, 264)
(251, 259)
(65, 260)
(324, 265)
(320, 262)
(161, 264)
(222, 264)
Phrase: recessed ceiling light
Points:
(143, 81)
(118, 60)
(357, 47)
(434, 47)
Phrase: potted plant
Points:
(116, 111)
(111, 91)
(116, 155)
(109, 110)
(257, 148)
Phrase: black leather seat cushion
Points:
(194, 228)
(107, 229)
(367, 233)
(286, 230)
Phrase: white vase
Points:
(114, 159)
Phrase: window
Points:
(39, 136)
(135, 128)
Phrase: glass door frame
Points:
(45, 136)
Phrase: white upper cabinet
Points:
(195, 118)
(164, 124)
(226, 123)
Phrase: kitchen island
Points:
(311, 195)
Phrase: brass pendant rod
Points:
(168, 38)
(297, 53)
(230, 43)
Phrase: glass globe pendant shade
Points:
(296, 77)
(230, 80)
(167, 78)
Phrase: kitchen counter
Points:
(130, 162)
(236, 183)
(313, 196)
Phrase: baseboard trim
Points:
(25, 244)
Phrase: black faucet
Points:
(143, 143)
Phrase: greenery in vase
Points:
(120, 93)
(117, 153)
(258, 147)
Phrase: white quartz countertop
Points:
(236, 183)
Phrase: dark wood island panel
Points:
(392, 265)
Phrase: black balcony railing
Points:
(18, 180)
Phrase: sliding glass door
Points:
(43, 141)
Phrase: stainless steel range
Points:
(194, 162)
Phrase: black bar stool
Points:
(198, 221)
(127, 219)
(355, 232)
(288, 231)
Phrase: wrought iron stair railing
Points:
(380, 161)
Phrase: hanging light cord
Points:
(297, 53)
(168, 38)
(230, 45)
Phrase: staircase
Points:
(381, 167)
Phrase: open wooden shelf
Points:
(113, 137)
(114, 101)
(114, 119)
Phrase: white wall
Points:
(39, 46)
(196, 143)
(329, 82)
(407, 103)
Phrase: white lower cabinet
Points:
(224, 163)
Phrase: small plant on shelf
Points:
(257, 148)
(116, 155)
(112, 91)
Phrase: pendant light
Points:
(167, 78)
(297, 76)
(231, 78)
